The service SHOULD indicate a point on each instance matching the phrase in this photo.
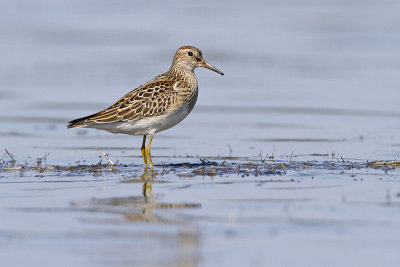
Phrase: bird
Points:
(155, 106)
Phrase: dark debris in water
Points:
(202, 168)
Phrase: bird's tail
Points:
(81, 122)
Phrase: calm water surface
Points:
(304, 80)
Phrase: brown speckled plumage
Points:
(156, 105)
(150, 99)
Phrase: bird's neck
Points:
(185, 74)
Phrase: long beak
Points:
(207, 65)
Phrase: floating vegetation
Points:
(202, 168)
(385, 164)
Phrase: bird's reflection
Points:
(188, 237)
(147, 177)
(147, 207)
(148, 204)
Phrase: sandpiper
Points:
(154, 106)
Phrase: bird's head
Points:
(190, 57)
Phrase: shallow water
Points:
(304, 82)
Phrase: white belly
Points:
(145, 126)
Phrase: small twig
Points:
(263, 160)
(272, 155)
(230, 150)
(8, 153)
(283, 165)
(105, 155)
(291, 155)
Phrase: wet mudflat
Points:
(290, 159)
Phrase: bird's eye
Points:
(190, 54)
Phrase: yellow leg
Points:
(143, 150)
(148, 151)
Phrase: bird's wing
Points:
(150, 99)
